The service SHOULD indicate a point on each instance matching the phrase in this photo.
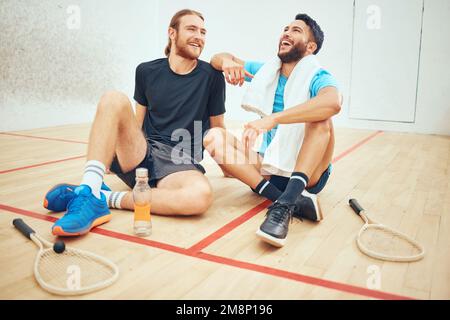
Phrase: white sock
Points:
(94, 172)
(113, 199)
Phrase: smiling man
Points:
(176, 94)
(302, 98)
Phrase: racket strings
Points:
(387, 242)
(73, 270)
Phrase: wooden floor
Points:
(402, 179)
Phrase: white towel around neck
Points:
(281, 155)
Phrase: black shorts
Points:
(281, 182)
(161, 160)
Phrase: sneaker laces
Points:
(278, 212)
(68, 192)
(76, 204)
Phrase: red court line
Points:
(199, 246)
(353, 148)
(104, 232)
(142, 241)
(195, 250)
(333, 285)
(356, 146)
(41, 164)
(302, 278)
(202, 244)
(41, 138)
(28, 213)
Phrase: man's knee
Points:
(214, 136)
(323, 127)
(114, 101)
(201, 198)
(214, 141)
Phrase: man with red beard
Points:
(293, 196)
(178, 97)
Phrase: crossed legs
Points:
(115, 131)
(313, 159)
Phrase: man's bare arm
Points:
(326, 104)
(141, 111)
(217, 121)
(232, 67)
(219, 59)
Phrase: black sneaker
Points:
(308, 207)
(274, 229)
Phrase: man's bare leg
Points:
(115, 131)
(234, 159)
(317, 150)
(181, 193)
(314, 157)
(230, 155)
(174, 194)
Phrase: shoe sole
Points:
(320, 211)
(315, 200)
(53, 189)
(276, 242)
(58, 231)
(320, 214)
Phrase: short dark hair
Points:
(315, 29)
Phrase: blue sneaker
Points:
(57, 199)
(84, 212)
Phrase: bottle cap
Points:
(142, 173)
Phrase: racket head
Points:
(73, 272)
(384, 243)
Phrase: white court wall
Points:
(433, 89)
(251, 31)
(53, 76)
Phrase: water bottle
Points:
(142, 197)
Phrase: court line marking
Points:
(329, 284)
(207, 241)
(195, 250)
(356, 146)
(41, 138)
(42, 164)
(213, 237)
(79, 157)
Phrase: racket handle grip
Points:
(355, 206)
(23, 228)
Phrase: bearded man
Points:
(302, 97)
(176, 97)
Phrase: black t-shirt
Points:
(177, 102)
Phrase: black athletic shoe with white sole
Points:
(275, 228)
(308, 207)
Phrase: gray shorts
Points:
(161, 161)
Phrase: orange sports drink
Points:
(142, 197)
